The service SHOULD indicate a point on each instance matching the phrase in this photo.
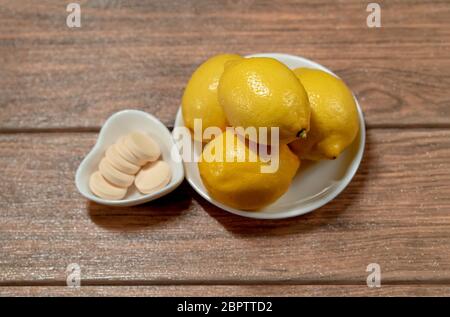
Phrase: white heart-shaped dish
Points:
(315, 184)
(119, 124)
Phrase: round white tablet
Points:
(153, 176)
(103, 189)
(114, 176)
(143, 146)
(124, 152)
(119, 162)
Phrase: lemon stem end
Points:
(301, 134)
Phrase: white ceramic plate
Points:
(119, 124)
(315, 184)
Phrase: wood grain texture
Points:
(215, 291)
(140, 54)
(395, 212)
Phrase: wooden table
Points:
(58, 85)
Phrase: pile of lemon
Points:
(314, 111)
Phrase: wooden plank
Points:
(135, 54)
(235, 290)
(395, 212)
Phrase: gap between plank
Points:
(97, 129)
(90, 282)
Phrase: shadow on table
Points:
(327, 215)
(150, 214)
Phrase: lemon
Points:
(262, 92)
(334, 116)
(241, 183)
(200, 96)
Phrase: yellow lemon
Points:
(200, 96)
(232, 172)
(334, 116)
(262, 92)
